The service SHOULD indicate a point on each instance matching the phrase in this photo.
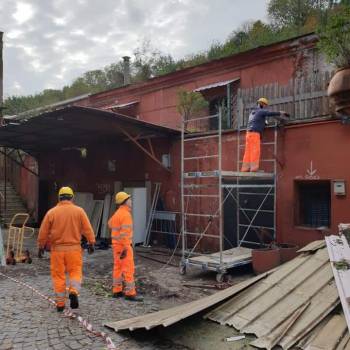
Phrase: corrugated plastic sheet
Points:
(290, 306)
(168, 317)
(287, 305)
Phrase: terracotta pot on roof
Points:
(339, 91)
(265, 259)
(288, 251)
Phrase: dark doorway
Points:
(43, 205)
(250, 200)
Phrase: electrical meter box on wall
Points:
(339, 187)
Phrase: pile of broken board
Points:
(293, 306)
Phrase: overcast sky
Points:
(48, 43)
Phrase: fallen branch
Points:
(156, 260)
(208, 286)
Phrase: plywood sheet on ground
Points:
(86, 201)
(96, 215)
(105, 232)
(170, 316)
(230, 256)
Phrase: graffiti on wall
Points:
(103, 188)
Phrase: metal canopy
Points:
(215, 85)
(78, 127)
(124, 105)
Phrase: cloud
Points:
(24, 12)
(50, 43)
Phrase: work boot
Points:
(134, 297)
(59, 308)
(118, 295)
(74, 302)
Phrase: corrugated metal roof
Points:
(214, 85)
(168, 317)
(290, 306)
(72, 127)
(332, 335)
(284, 307)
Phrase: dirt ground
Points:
(162, 287)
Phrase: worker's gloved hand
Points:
(123, 254)
(91, 249)
(41, 253)
(284, 114)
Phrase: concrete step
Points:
(12, 205)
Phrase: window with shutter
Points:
(313, 203)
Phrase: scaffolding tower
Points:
(206, 185)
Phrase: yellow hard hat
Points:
(263, 100)
(65, 191)
(121, 197)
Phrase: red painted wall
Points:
(324, 144)
(91, 174)
(327, 146)
(157, 96)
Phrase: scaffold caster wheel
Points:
(182, 269)
(220, 277)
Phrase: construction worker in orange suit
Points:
(256, 125)
(64, 226)
(121, 226)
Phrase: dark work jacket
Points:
(257, 118)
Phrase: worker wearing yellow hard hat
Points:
(263, 101)
(65, 191)
(255, 127)
(121, 225)
(64, 225)
(121, 197)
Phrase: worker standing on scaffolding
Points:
(256, 125)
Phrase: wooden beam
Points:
(150, 146)
(17, 162)
(134, 140)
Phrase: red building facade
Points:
(313, 154)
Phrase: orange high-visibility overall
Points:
(123, 271)
(251, 157)
(64, 225)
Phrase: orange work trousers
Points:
(62, 263)
(123, 270)
(251, 157)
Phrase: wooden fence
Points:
(303, 98)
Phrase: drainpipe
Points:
(126, 70)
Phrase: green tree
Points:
(96, 80)
(114, 75)
(335, 36)
(190, 102)
(294, 12)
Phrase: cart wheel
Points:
(220, 277)
(182, 269)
